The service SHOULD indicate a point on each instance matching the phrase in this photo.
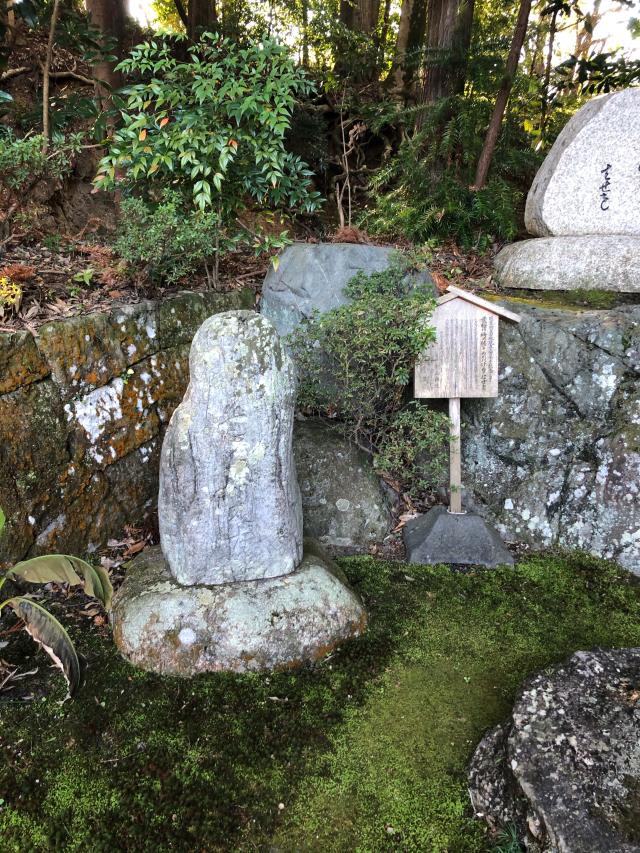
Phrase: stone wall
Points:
(83, 406)
(555, 459)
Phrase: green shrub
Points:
(169, 241)
(211, 129)
(356, 362)
(423, 190)
(23, 166)
(414, 448)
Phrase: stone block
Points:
(461, 538)
(607, 262)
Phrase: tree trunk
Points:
(409, 45)
(447, 43)
(107, 16)
(305, 33)
(495, 123)
(201, 18)
(547, 75)
(384, 32)
(400, 56)
(359, 17)
(46, 76)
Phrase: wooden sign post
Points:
(462, 362)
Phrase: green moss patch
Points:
(579, 299)
(367, 751)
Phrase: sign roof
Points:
(458, 293)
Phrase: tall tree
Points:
(360, 16)
(197, 16)
(358, 55)
(408, 52)
(108, 17)
(495, 123)
(447, 44)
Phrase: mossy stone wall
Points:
(83, 405)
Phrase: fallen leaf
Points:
(135, 548)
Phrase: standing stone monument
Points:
(232, 587)
(584, 205)
(462, 362)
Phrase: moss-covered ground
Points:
(365, 752)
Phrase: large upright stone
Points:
(227, 457)
(313, 277)
(589, 182)
(232, 588)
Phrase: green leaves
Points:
(211, 129)
(61, 568)
(49, 633)
(356, 362)
(38, 622)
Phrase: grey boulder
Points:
(606, 262)
(343, 502)
(589, 182)
(565, 767)
(229, 504)
(312, 277)
(162, 626)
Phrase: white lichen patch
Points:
(99, 408)
(607, 380)
(58, 523)
(187, 636)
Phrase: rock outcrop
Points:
(83, 407)
(565, 768)
(343, 502)
(555, 458)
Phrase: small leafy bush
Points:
(169, 241)
(414, 448)
(23, 166)
(356, 362)
(212, 130)
(38, 622)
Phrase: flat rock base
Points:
(465, 539)
(275, 623)
(593, 262)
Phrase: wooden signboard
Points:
(462, 362)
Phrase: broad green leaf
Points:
(49, 633)
(62, 568)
